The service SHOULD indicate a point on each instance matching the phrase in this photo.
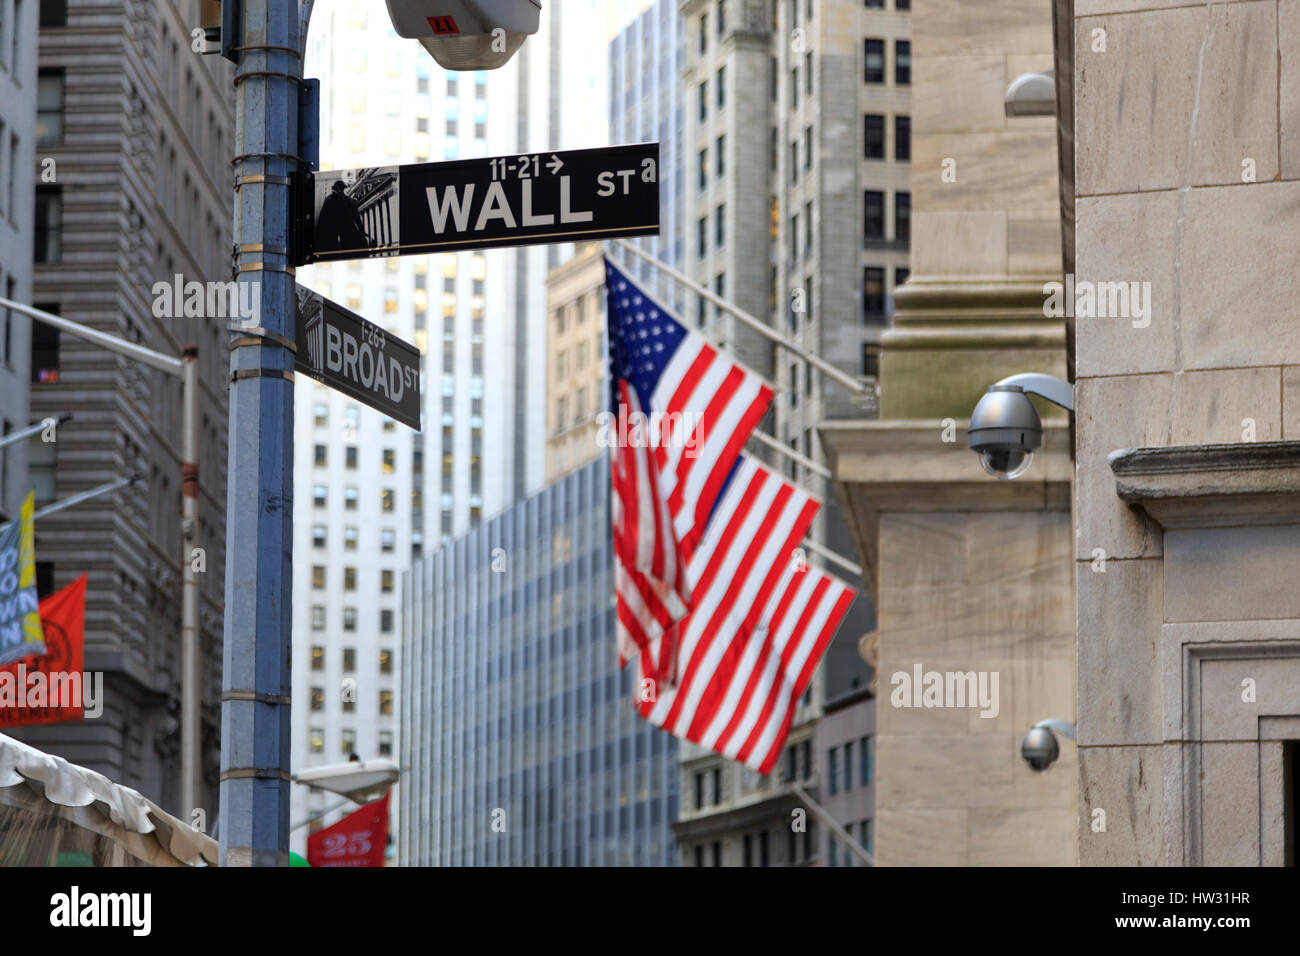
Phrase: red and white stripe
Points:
(702, 412)
(761, 621)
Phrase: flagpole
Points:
(816, 361)
(845, 837)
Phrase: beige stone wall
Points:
(1187, 143)
(970, 575)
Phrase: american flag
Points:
(724, 619)
(760, 623)
(698, 408)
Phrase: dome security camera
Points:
(1005, 431)
(1039, 748)
(463, 35)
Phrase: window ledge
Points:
(1208, 486)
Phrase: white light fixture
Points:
(361, 781)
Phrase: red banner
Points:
(359, 839)
(50, 688)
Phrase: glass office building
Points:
(517, 725)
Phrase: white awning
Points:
(49, 806)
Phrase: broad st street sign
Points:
(357, 357)
(476, 203)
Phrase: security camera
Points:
(1005, 429)
(1039, 748)
(1032, 94)
(467, 34)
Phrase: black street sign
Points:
(476, 203)
(340, 348)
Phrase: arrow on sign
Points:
(555, 165)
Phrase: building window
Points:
(318, 576)
(721, 87)
(864, 756)
(350, 457)
(351, 494)
(848, 766)
(717, 854)
(349, 579)
(49, 224)
(807, 147)
(704, 102)
(385, 662)
(699, 790)
(387, 540)
(762, 849)
(702, 237)
(868, 837)
(704, 169)
(699, 855)
(386, 703)
(386, 581)
(349, 660)
(873, 56)
(832, 771)
(386, 620)
(318, 495)
(717, 786)
(54, 13)
(903, 139)
(870, 360)
(317, 618)
(873, 136)
(388, 464)
(318, 658)
(320, 415)
(317, 734)
(318, 698)
(45, 349)
(873, 214)
(873, 293)
(385, 743)
(49, 107)
(903, 217)
(386, 499)
(720, 225)
(749, 850)
(318, 536)
(322, 456)
(903, 62)
(350, 619)
(350, 537)
(349, 742)
(719, 152)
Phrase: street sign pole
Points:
(255, 682)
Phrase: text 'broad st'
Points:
(357, 357)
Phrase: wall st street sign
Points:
(423, 208)
(357, 357)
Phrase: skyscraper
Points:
(135, 154)
(21, 95)
(798, 136)
(529, 752)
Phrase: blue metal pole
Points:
(255, 683)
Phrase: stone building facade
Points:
(1187, 131)
(970, 576)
